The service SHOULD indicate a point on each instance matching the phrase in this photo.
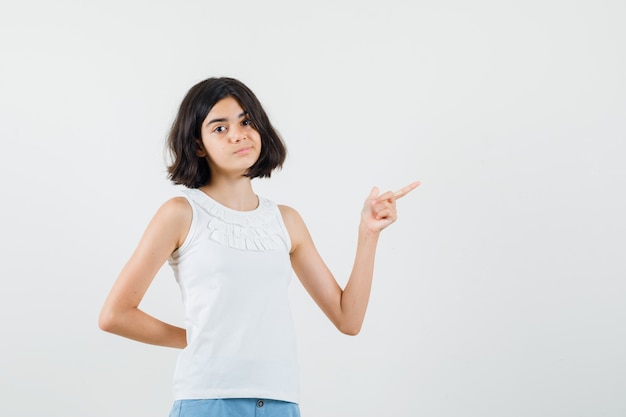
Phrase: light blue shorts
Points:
(234, 407)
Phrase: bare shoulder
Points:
(295, 225)
(177, 206)
(174, 210)
(290, 216)
(173, 220)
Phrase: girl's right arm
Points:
(120, 313)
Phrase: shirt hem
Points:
(215, 395)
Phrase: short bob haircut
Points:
(193, 171)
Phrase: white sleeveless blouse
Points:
(233, 271)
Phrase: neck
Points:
(234, 193)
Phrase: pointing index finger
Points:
(404, 191)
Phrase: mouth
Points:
(243, 151)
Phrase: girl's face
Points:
(230, 142)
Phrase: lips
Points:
(243, 151)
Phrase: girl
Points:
(232, 253)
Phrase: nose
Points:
(237, 134)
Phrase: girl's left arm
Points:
(344, 307)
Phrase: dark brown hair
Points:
(193, 171)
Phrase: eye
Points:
(247, 122)
(219, 129)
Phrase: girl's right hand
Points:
(379, 211)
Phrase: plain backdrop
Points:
(500, 291)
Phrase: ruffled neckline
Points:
(255, 230)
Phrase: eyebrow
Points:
(223, 119)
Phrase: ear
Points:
(200, 152)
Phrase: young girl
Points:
(233, 253)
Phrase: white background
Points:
(500, 290)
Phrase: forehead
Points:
(226, 108)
